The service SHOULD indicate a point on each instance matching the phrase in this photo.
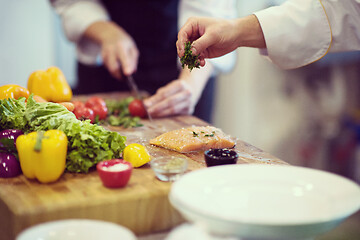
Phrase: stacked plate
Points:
(77, 229)
(265, 201)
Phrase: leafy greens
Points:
(120, 114)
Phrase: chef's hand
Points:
(118, 49)
(180, 96)
(176, 98)
(212, 37)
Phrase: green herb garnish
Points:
(189, 59)
(210, 135)
(195, 134)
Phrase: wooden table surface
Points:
(142, 206)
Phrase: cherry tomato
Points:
(95, 101)
(83, 113)
(98, 105)
(78, 104)
(137, 109)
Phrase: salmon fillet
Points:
(191, 139)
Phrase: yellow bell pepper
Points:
(13, 91)
(50, 85)
(42, 155)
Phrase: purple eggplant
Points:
(9, 165)
(12, 135)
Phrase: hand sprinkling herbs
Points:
(188, 59)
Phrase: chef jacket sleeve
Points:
(300, 32)
(77, 16)
(211, 8)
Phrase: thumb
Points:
(201, 44)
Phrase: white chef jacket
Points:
(77, 15)
(300, 32)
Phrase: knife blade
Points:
(133, 87)
(135, 92)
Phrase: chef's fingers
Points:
(165, 92)
(180, 43)
(171, 101)
(183, 107)
(128, 55)
(188, 32)
(201, 60)
(134, 54)
(172, 104)
(196, 30)
(200, 45)
(111, 62)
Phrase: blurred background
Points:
(307, 117)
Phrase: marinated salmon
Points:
(191, 139)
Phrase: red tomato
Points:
(137, 109)
(78, 104)
(95, 101)
(83, 113)
(98, 105)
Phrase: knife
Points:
(135, 92)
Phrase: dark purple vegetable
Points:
(9, 165)
(10, 134)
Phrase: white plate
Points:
(77, 229)
(265, 201)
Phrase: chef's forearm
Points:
(102, 31)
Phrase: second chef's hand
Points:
(180, 96)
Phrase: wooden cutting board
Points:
(141, 206)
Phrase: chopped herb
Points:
(189, 59)
(202, 132)
(210, 135)
(195, 134)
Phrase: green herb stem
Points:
(190, 60)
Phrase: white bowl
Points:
(76, 229)
(265, 201)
